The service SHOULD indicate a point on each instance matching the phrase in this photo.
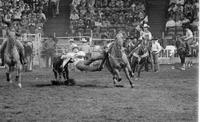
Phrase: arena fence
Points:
(64, 45)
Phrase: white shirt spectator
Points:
(156, 47)
(133, 6)
(172, 1)
(74, 16)
(75, 3)
(179, 23)
(99, 24)
(189, 34)
(170, 23)
(17, 15)
(43, 16)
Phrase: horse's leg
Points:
(119, 78)
(8, 75)
(112, 71)
(140, 68)
(128, 76)
(55, 74)
(31, 63)
(18, 76)
(60, 76)
(182, 62)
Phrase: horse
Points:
(182, 51)
(138, 63)
(12, 61)
(116, 60)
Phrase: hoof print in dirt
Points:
(70, 82)
(54, 82)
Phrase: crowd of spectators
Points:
(182, 14)
(25, 17)
(92, 14)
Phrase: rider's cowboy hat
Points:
(146, 26)
(119, 35)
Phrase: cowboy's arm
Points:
(3, 45)
(159, 47)
(20, 46)
(136, 55)
(188, 36)
(150, 36)
(145, 55)
(135, 46)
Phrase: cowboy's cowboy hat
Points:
(146, 26)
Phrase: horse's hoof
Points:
(66, 82)
(132, 86)
(119, 79)
(137, 78)
(10, 81)
(55, 82)
(72, 82)
(182, 68)
(20, 85)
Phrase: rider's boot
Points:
(22, 59)
(2, 59)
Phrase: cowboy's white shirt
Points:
(146, 35)
(79, 56)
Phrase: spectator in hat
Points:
(85, 46)
(188, 38)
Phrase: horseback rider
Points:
(145, 34)
(188, 38)
(11, 34)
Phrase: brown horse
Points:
(12, 61)
(116, 60)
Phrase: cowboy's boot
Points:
(22, 59)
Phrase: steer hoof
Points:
(70, 82)
(55, 82)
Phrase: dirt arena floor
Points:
(166, 96)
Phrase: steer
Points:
(60, 70)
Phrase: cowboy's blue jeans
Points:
(155, 61)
